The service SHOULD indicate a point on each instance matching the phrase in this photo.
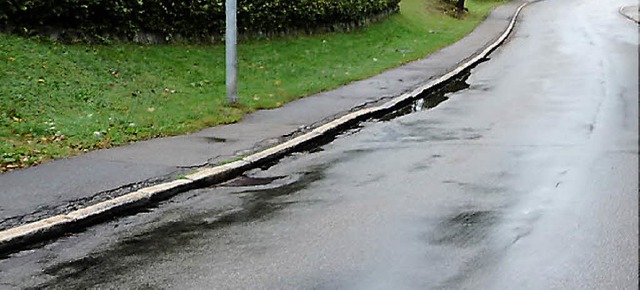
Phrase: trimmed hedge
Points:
(182, 19)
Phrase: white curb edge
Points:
(621, 11)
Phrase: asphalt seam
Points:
(13, 238)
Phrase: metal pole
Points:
(231, 51)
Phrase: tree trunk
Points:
(460, 5)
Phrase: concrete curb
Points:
(627, 15)
(12, 239)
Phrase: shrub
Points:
(189, 19)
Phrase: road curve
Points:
(527, 179)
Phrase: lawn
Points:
(59, 100)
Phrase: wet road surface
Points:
(527, 179)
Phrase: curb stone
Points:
(635, 18)
(14, 238)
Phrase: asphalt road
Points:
(527, 179)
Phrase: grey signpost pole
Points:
(231, 51)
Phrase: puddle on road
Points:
(466, 228)
(430, 99)
(176, 236)
(244, 180)
(426, 100)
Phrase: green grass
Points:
(57, 100)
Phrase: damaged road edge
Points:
(13, 239)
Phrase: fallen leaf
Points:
(41, 80)
(277, 82)
(12, 59)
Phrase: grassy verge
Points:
(58, 100)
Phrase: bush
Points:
(189, 19)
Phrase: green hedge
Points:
(189, 19)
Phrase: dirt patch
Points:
(449, 8)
